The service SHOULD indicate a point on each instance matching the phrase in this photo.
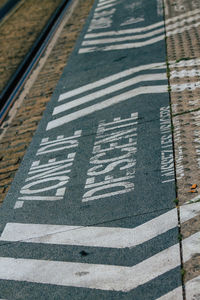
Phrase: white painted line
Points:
(101, 3)
(107, 103)
(189, 211)
(122, 39)
(123, 46)
(183, 22)
(184, 73)
(182, 29)
(185, 86)
(103, 277)
(110, 79)
(99, 236)
(108, 90)
(192, 248)
(34, 169)
(176, 294)
(105, 7)
(185, 63)
(39, 198)
(124, 31)
(192, 289)
(147, 28)
(183, 16)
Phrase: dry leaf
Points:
(194, 186)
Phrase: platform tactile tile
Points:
(183, 51)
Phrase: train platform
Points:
(105, 203)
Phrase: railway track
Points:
(27, 62)
(6, 7)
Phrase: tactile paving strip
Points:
(183, 51)
(187, 154)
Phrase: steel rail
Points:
(17, 81)
(7, 7)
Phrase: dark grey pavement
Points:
(91, 212)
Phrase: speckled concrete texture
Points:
(183, 50)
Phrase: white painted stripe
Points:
(105, 7)
(171, 30)
(183, 16)
(110, 79)
(108, 237)
(192, 248)
(192, 289)
(176, 294)
(122, 39)
(123, 46)
(101, 3)
(146, 28)
(112, 237)
(188, 212)
(124, 31)
(185, 63)
(105, 104)
(103, 277)
(40, 198)
(185, 86)
(193, 200)
(107, 91)
(104, 1)
(183, 22)
(185, 73)
(182, 29)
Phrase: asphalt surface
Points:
(91, 211)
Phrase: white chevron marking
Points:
(107, 103)
(122, 39)
(102, 3)
(123, 46)
(110, 79)
(103, 277)
(105, 7)
(98, 236)
(147, 28)
(172, 29)
(112, 237)
(107, 91)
